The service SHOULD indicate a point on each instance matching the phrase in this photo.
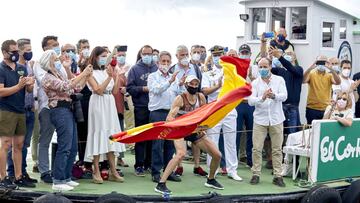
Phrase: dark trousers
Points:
(245, 115)
(292, 118)
(312, 114)
(143, 150)
(162, 150)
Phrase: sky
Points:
(163, 24)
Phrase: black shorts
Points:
(194, 137)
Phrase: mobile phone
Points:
(269, 35)
(320, 63)
(110, 57)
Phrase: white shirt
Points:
(344, 87)
(161, 92)
(211, 79)
(270, 111)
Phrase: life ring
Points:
(323, 194)
(115, 197)
(352, 193)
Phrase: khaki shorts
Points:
(12, 124)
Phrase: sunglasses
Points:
(69, 50)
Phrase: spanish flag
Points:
(234, 89)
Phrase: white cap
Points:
(190, 78)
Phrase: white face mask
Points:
(164, 68)
(184, 61)
(341, 103)
(86, 53)
(196, 57)
(346, 72)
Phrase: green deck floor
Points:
(191, 185)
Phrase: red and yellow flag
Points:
(234, 89)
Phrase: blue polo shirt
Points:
(9, 77)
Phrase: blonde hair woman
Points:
(340, 110)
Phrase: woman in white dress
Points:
(103, 120)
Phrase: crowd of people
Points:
(85, 95)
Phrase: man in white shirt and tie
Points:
(268, 93)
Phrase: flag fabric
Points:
(234, 89)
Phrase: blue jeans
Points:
(292, 118)
(312, 114)
(46, 132)
(162, 150)
(30, 120)
(245, 115)
(64, 122)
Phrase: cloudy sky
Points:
(163, 24)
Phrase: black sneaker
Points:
(279, 181)
(8, 184)
(161, 188)
(212, 183)
(156, 178)
(254, 180)
(29, 179)
(47, 177)
(173, 177)
(22, 182)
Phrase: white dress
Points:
(103, 121)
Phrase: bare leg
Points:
(196, 155)
(180, 154)
(111, 159)
(18, 142)
(209, 147)
(96, 166)
(4, 147)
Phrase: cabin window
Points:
(328, 34)
(278, 18)
(343, 29)
(258, 22)
(298, 23)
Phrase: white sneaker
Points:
(72, 183)
(62, 187)
(235, 177)
(286, 170)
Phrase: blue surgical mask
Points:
(203, 56)
(102, 61)
(264, 72)
(337, 69)
(147, 59)
(321, 68)
(57, 50)
(276, 63)
(244, 56)
(121, 59)
(155, 58)
(288, 58)
(72, 55)
(216, 60)
(57, 65)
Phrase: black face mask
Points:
(192, 90)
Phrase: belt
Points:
(162, 110)
(107, 92)
(62, 103)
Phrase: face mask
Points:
(264, 72)
(72, 55)
(164, 68)
(346, 73)
(192, 90)
(288, 58)
(341, 103)
(86, 53)
(155, 58)
(28, 56)
(121, 59)
(244, 56)
(184, 61)
(203, 56)
(280, 38)
(57, 65)
(321, 68)
(102, 61)
(216, 60)
(147, 59)
(196, 57)
(337, 69)
(276, 63)
(57, 50)
(14, 57)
